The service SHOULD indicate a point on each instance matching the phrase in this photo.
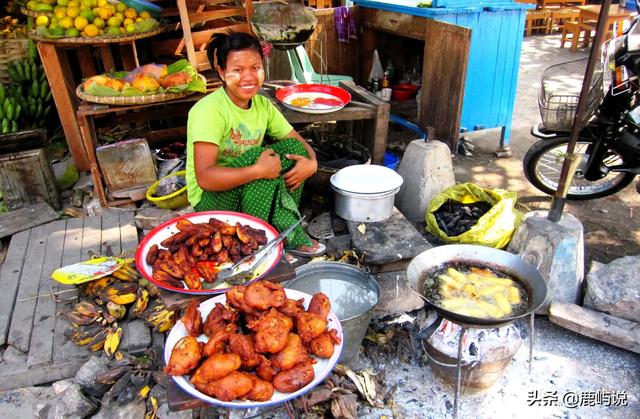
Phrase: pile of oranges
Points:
(89, 18)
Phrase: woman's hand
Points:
(303, 169)
(268, 165)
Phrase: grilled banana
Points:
(112, 340)
(120, 293)
(141, 302)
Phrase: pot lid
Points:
(366, 178)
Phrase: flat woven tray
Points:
(132, 100)
(96, 40)
(33, 13)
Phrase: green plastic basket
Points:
(176, 200)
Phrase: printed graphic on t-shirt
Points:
(240, 140)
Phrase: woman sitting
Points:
(227, 166)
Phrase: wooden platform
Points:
(34, 348)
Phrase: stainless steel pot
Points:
(508, 263)
(353, 294)
(363, 207)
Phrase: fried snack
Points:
(270, 334)
(309, 326)
(183, 224)
(295, 378)
(234, 386)
(192, 319)
(261, 391)
(235, 298)
(218, 340)
(219, 317)
(215, 367)
(192, 280)
(292, 354)
(323, 345)
(265, 369)
(171, 268)
(291, 307)
(243, 346)
(152, 254)
(320, 305)
(262, 295)
(185, 356)
(165, 278)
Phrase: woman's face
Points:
(243, 76)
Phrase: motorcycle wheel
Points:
(543, 164)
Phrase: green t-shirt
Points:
(216, 119)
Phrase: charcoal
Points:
(455, 218)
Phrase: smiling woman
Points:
(227, 166)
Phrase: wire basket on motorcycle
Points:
(560, 87)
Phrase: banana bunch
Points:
(10, 28)
(119, 292)
(9, 112)
(93, 336)
(85, 313)
(30, 96)
(159, 316)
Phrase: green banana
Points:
(39, 110)
(34, 70)
(13, 74)
(19, 71)
(1, 112)
(44, 88)
(5, 126)
(49, 96)
(2, 93)
(10, 112)
(32, 109)
(46, 111)
(17, 111)
(34, 89)
(14, 126)
(27, 70)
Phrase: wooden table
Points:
(591, 13)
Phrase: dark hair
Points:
(221, 44)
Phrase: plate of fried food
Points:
(313, 98)
(254, 346)
(185, 254)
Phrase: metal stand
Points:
(463, 330)
(531, 336)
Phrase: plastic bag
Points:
(377, 72)
(493, 229)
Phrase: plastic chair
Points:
(302, 70)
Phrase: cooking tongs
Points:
(233, 277)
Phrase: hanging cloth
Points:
(345, 24)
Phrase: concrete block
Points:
(559, 250)
(427, 170)
(136, 336)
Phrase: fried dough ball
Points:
(262, 295)
(219, 339)
(265, 369)
(235, 298)
(261, 391)
(323, 345)
(192, 319)
(244, 346)
(291, 355)
(271, 331)
(310, 326)
(233, 386)
(320, 305)
(215, 367)
(291, 307)
(219, 317)
(185, 356)
(295, 378)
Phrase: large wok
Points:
(502, 261)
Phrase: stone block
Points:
(136, 336)
(558, 248)
(395, 295)
(614, 288)
(427, 170)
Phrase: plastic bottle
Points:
(389, 70)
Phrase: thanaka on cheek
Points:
(260, 76)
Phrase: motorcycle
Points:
(609, 140)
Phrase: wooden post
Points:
(54, 67)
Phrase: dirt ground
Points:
(611, 224)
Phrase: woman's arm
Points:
(214, 178)
(304, 167)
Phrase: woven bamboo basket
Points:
(132, 100)
(176, 200)
(97, 40)
(10, 50)
(33, 13)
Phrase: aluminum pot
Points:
(365, 193)
(508, 263)
(364, 208)
(353, 293)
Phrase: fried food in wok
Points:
(249, 355)
(185, 357)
